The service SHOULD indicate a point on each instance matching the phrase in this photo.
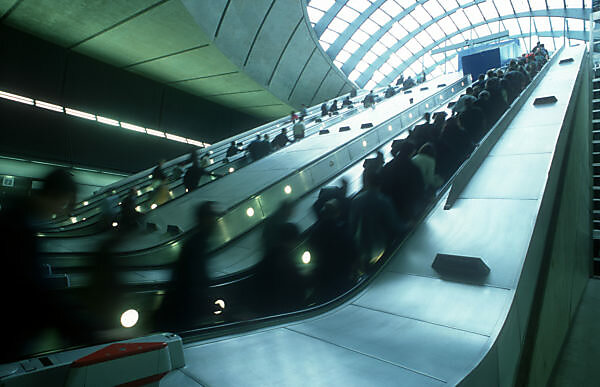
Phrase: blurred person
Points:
(281, 140)
(187, 298)
(178, 171)
(425, 160)
(254, 148)
(158, 174)
(194, 173)
(130, 218)
(28, 305)
(293, 117)
(369, 100)
(334, 107)
(324, 109)
(400, 80)
(303, 111)
(333, 192)
(346, 101)
(233, 150)
(299, 129)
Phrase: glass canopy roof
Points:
(374, 41)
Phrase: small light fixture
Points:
(306, 257)
(364, 143)
(86, 203)
(250, 212)
(129, 318)
(231, 169)
(138, 209)
(287, 189)
(73, 219)
(153, 206)
(115, 224)
(390, 128)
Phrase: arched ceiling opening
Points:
(374, 41)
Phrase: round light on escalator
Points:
(231, 169)
(153, 206)
(129, 318)
(149, 176)
(220, 306)
(306, 257)
(410, 115)
(86, 203)
(210, 152)
(115, 224)
(73, 219)
(453, 89)
(138, 209)
(426, 105)
(390, 128)
(364, 143)
(250, 212)
(83, 219)
(441, 97)
(212, 161)
(139, 193)
(287, 189)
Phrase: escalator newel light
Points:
(306, 257)
(129, 318)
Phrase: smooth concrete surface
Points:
(577, 365)
(462, 333)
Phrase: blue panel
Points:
(480, 62)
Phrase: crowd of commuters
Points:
(350, 232)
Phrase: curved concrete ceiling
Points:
(258, 56)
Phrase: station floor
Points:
(577, 365)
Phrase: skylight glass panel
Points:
(495, 27)
(405, 3)
(428, 61)
(460, 19)
(416, 67)
(483, 30)
(324, 45)
(435, 32)
(338, 25)
(386, 69)
(359, 5)
(448, 4)
(488, 10)
(377, 76)
(437, 72)
(504, 7)
(420, 15)
(354, 75)
(403, 53)
(378, 49)
(524, 23)
(434, 8)
(314, 15)
(343, 56)
(424, 39)
(457, 39)
(553, 4)
(575, 24)
(362, 66)
(447, 26)
(370, 57)
(474, 14)
(360, 36)
(558, 43)
(394, 61)
(538, 5)
(413, 45)
(391, 8)
(323, 5)
(370, 85)
(521, 6)
(541, 23)
(438, 57)
(557, 23)
(380, 17)
(369, 26)
(409, 23)
(351, 46)
(388, 39)
(347, 14)
(398, 31)
(512, 26)
(547, 42)
(338, 64)
(329, 36)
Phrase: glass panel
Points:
(512, 25)
(420, 15)
(404, 54)
(447, 25)
(413, 45)
(338, 64)
(369, 26)
(359, 5)
(474, 14)
(394, 61)
(398, 31)
(329, 36)
(386, 69)
(504, 7)
(435, 32)
(370, 57)
(362, 66)
(351, 46)
(338, 25)
(325, 45)
(424, 39)
(521, 6)
(409, 23)
(541, 23)
(377, 76)
(434, 8)
(460, 19)
(370, 85)
(488, 10)
(388, 40)
(323, 5)
(557, 23)
(483, 30)
(314, 15)
(380, 17)
(354, 75)
(360, 36)
(575, 24)
(348, 14)
(448, 4)
(537, 5)
(379, 48)
(391, 8)
(552, 4)
(343, 56)
(524, 23)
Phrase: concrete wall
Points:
(272, 42)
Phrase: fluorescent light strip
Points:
(156, 133)
(80, 114)
(194, 142)
(136, 128)
(48, 106)
(176, 138)
(108, 121)
(16, 98)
